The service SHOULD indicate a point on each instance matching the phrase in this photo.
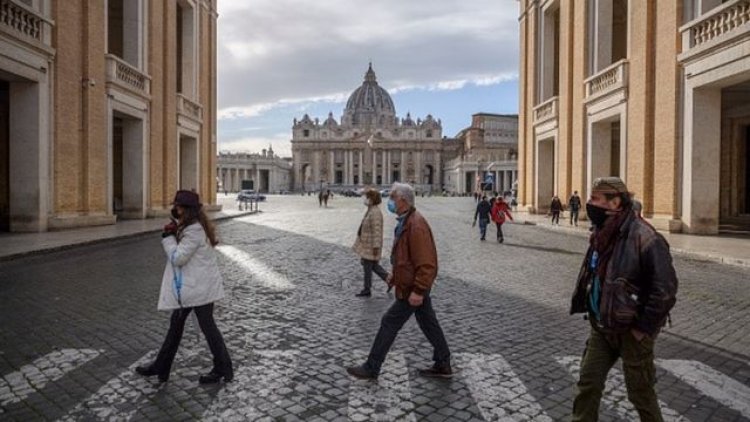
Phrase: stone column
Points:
(332, 168)
(383, 158)
(361, 167)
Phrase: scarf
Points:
(603, 239)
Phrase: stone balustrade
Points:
(189, 108)
(546, 110)
(121, 73)
(23, 20)
(722, 22)
(608, 80)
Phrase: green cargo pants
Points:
(601, 353)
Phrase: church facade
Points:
(372, 146)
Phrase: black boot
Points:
(364, 293)
(215, 376)
(149, 371)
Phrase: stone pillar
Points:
(388, 172)
(701, 155)
(361, 167)
(332, 167)
(385, 167)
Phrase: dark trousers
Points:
(602, 351)
(395, 318)
(370, 266)
(574, 217)
(499, 231)
(483, 227)
(555, 217)
(205, 314)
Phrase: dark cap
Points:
(187, 198)
(609, 185)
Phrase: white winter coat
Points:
(192, 258)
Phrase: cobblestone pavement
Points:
(75, 323)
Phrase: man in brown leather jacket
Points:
(415, 265)
(626, 285)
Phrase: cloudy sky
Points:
(280, 59)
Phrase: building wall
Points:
(647, 102)
(80, 95)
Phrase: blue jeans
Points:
(483, 227)
(395, 318)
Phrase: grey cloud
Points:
(271, 50)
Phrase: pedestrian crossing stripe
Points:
(265, 275)
(271, 371)
(386, 399)
(615, 394)
(18, 385)
(496, 389)
(116, 399)
(710, 382)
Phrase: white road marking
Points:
(615, 393)
(271, 371)
(497, 391)
(388, 398)
(711, 382)
(17, 386)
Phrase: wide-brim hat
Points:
(187, 198)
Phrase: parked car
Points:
(385, 193)
(250, 195)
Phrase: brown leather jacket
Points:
(414, 257)
(640, 287)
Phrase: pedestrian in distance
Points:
(192, 282)
(320, 199)
(626, 286)
(326, 196)
(500, 210)
(415, 265)
(555, 208)
(574, 205)
(482, 213)
(369, 243)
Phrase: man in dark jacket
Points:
(483, 212)
(415, 265)
(555, 208)
(574, 205)
(627, 285)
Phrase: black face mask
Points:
(174, 213)
(597, 215)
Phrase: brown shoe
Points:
(361, 373)
(437, 371)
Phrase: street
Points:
(75, 323)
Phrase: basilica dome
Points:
(370, 105)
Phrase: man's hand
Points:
(376, 251)
(474, 223)
(639, 335)
(415, 299)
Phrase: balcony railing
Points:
(608, 80)
(23, 20)
(546, 110)
(189, 108)
(718, 23)
(121, 73)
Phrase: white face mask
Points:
(365, 201)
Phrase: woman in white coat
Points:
(369, 243)
(191, 282)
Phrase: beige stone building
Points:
(106, 108)
(656, 92)
(487, 153)
(370, 146)
(264, 172)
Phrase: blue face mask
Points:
(392, 206)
